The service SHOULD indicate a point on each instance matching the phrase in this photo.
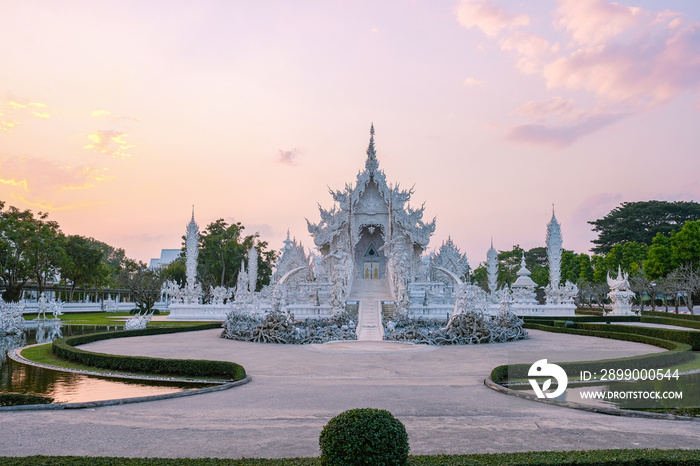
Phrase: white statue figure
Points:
(56, 308)
(172, 291)
(42, 305)
(339, 290)
(621, 294)
(219, 294)
(505, 302)
(241, 291)
(569, 291)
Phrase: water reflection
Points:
(69, 387)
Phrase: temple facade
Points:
(371, 263)
(371, 232)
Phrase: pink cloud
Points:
(557, 106)
(626, 55)
(562, 134)
(33, 180)
(288, 157)
(110, 142)
(490, 19)
(594, 22)
(530, 49)
(628, 59)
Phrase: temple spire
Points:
(371, 164)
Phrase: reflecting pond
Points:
(69, 387)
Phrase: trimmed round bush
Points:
(364, 436)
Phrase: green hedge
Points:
(668, 320)
(64, 348)
(547, 319)
(678, 353)
(671, 314)
(688, 337)
(544, 458)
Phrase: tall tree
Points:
(660, 258)
(685, 243)
(45, 250)
(83, 265)
(175, 271)
(641, 221)
(222, 248)
(629, 256)
(143, 283)
(29, 248)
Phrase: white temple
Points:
(371, 263)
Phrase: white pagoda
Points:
(371, 233)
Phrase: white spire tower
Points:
(191, 257)
(252, 269)
(554, 248)
(492, 269)
(554, 292)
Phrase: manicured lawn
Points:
(547, 458)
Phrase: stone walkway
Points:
(438, 394)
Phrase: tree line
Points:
(34, 251)
(656, 242)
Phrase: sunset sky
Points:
(117, 116)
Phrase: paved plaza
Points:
(438, 393)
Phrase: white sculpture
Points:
(252, 269)
(42, 306)
(11, 320)
(554, 242)
(192, 293)
(524, 286)
(138, 321)
(219, 294)
(241, 292)
(620, 294)
(293, 256)
(449, 257)
(56, 308)
(492, 271)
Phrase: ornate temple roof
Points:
(395, 200)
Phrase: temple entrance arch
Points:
(370, 260)
(371, 263)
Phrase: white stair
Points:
(370, 294)
(369, 327)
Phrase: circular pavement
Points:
(438, 393)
